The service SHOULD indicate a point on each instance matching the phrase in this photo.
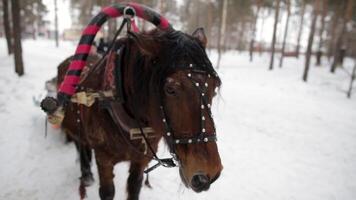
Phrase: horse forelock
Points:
(175, 50)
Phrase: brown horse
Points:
(167, 83)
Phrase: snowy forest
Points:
(285, 113)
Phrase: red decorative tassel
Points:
(82, 192)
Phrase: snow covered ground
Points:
(279, 138)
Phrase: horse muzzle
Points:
(200, 182)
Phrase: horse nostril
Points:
(200, 182)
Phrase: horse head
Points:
(175, 84)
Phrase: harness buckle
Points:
(129, 12)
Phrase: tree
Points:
(285, 34)
(353, 76)
(321, 31)
(84, 9)
(222, 28)
(209, 24)
(274, 33)
(341, 38)
(301, 26)
(16, 30)
(32, 17)
(310, 40)
(56, 23)
(333, 28)
(258, 5)
(241, 20)
(5, 4)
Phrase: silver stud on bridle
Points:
(203, 136)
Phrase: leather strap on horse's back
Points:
(109, 75)
(113, 71)
(119, 84)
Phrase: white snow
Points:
(279, 138)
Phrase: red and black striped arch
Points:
(72, 78)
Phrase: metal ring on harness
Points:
(128, 15)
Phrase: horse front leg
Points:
(106, 176)
(85, 157)
(134, 181)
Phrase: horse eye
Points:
(170, 91)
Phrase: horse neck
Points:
(133, 69)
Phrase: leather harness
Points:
(113, 98)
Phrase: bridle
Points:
(169, 134)
(202, 136)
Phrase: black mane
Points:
(178, 50)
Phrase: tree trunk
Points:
(321, 31)
(16, 29)
(310, 40)
(56, 23)
(261, 48)
(6, 19)
(274, 34)
(341, 38)
(285, 34)
(301, 26)
(332, 30)
(222, 26)
(353, 76)
(252, 42)
(241, 32)
(209, 24)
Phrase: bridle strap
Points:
(204, 103)
(173, 141)
(165, 162)
(201, 137)
(196, 140)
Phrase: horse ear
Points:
(200, 35)
(146, 45)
